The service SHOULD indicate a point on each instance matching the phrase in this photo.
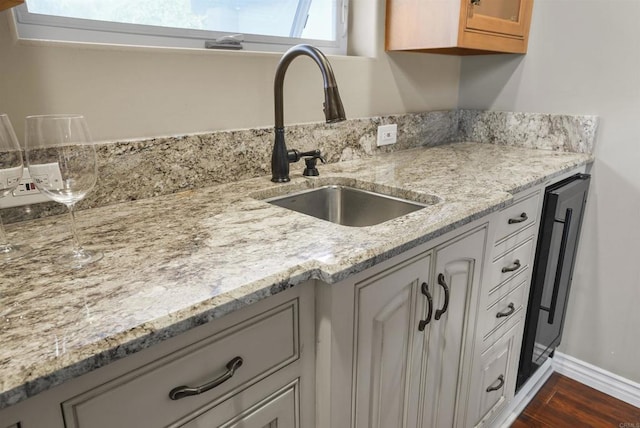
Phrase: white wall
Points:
(584, 58)
(135, 93)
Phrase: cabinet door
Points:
(277, 410)
(457, 273)
(493, 383)
(508, 17)
(389, 346)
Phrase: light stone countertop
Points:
(174, 262)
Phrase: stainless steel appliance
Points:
(560, 225)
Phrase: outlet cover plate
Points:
(25, 194)
(387, 134)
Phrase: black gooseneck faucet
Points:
(333, 110)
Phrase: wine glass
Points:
(62, 163)
(10, 175)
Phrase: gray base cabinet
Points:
(410, 328)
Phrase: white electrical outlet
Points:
(26, 192)
(387, 134)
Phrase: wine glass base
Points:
(80, 257)
(10, 252)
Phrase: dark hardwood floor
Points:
(563, 402)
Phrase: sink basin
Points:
(346, 205)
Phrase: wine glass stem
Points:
(76, 241)
(4, 241)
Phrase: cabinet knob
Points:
(475, 2)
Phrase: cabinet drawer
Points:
(265, 343)
(518, 216)
(512, 241)
(507, 287)
(504, 309)
(254, 409)
(496, 381)
(510, 264)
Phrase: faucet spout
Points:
(333, 109)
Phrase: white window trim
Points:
(31, 26)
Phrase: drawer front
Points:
(275, 409)
(518, 216)
(265, 343)
(496, 382)
(504, 309)
(509, 265)
(499, 292)
(514, 240)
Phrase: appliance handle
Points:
(563, 249)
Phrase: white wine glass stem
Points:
(77, 246)
(4, 240)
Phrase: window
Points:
(271, 25)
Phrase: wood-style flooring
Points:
(563, 402)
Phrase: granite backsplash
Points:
(134, 170)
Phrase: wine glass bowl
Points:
(11, 167)
(62, 163)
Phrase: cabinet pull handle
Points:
(444, 285)
(186, 391)
(423, 323)
(498, 386)
(515, 266)
(510, 309)
(519, 219)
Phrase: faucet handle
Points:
(295, 155)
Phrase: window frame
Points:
(32, 26)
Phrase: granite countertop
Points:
(178, 261)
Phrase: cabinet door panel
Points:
(388, 348)
(457, 267)
(494, 380)
(508, 17)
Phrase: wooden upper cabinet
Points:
(6, 4)
(458, 27)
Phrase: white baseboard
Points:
(597, 378)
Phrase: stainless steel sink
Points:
(346, 205)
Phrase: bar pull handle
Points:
(186, 391)
(425, 290)
(498, 386)
(566, 227)
(515, 266)
(444, 285)
(510, 309)
(522, 217)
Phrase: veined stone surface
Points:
(134, 170)
(180, 260)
